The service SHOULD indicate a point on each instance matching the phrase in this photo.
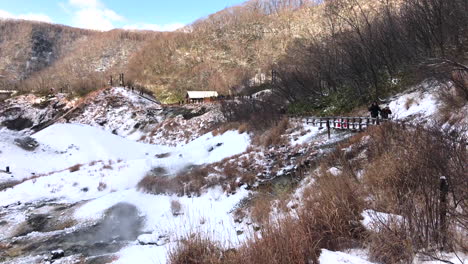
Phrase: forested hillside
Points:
(321, 52)
(39, 56)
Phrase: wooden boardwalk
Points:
(355, 124)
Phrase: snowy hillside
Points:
(80, 194)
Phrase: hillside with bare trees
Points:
(40, 56)
(320, 52)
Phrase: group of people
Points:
(375, 110)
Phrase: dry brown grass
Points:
(223, 128)
(402, 170)
(176, 207)
(75, 168)
(390, 244)
(102, 186)
(329, 219)
(403, 177)
(409, 102)
(273, 136)
(107, 167)
(188, 182)
(196, 249)
(260, 209)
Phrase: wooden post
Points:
(328, 128)
(111, 81)
(443, 211)
(367, 122)
(321, 125)
(7, 169)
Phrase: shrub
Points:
(390, 243)
(403, 178)
(273, 136)
(257, 114)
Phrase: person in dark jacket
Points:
(384, 113)
(374, 110)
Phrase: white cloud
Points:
(30, 16)
(155, 27)
(85, 3)
(93, 14)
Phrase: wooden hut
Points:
(201, 96)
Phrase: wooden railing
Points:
(341, 123)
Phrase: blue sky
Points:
(108, 14)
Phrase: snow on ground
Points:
(330, 257)
(306, 134)
(65, 145)
(119, 110)
(420, 103)
(111, 168)
(458, 258)
(371, 218)
(107, 160)
(207, 214)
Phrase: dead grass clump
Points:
(196, 249)
(333, 211)
(243, 127)
(390, 244)
(193, 180)
(248, 178)
(281, 243)
(163, 155)
(176, 207)
(94, 162)
(159, 185)
(188, 182)
(107, 167)
(409, 102)
(260, 210)
(75, 168)
(102, 186)
(225, 127)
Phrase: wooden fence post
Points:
(443, 211)
(328, 128)
(111, 82)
